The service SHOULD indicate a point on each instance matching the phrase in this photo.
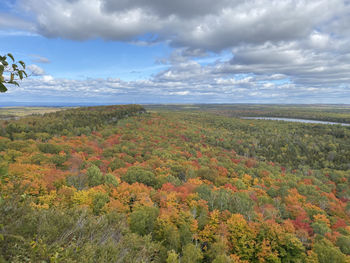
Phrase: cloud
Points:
(47, 79)
(186, 82)
(279, 50)
(35, 70)
(197, 24)
(10, 22)
(39, 59)
(71, 19)
(302, 64)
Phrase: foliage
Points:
(171, 187)
(142, 220)
(191, 254)
(139, 174)
(70, 235)
(94, 176)
(343, 242)
(10, 72)
(79, 121)
(326, 252)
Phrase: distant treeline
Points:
(292, 145)
(67, 122)
(301, 114)
(338, 113)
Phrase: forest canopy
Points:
(102, 184)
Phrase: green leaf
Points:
(10, 55)
(14, 83)
(2, 68)
(20, 74)
(14, 66)
(2, 88)
(22, 64)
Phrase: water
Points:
(295, 120)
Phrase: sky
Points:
(87, 52)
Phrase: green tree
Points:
(191, 254)
(142, 220)
(169, 235)
(222, 259)
(139, 174)
(99, 201)
(326, 252)
(173, 257)
(343, 242)
(320, 228)
(10, 71)
(110, 179)
(94, 176)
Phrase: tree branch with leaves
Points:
(10, 71)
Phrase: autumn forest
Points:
(133, 183)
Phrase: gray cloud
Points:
(281, 49)
(198, 24)
(161, 8)
(302, 64)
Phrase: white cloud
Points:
(181, 93)
(35, 70)
(319, 40)
(39, 59)
(199, 84)
(296, 48)
(47, 78)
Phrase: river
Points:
(295, 120)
